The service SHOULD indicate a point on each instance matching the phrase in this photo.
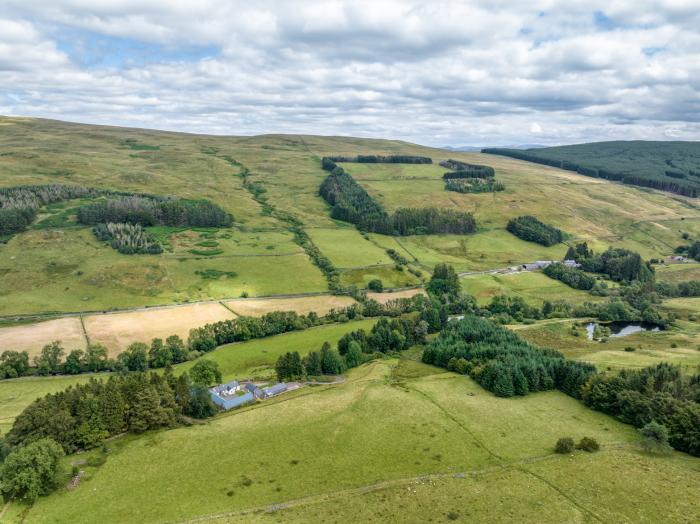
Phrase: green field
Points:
(684, 307)
(398, 436)
(69, 270)
(347, 248)
(256, 358)
(651, 348)
(534, 287)
(678, 272)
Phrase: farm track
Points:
(518, 465)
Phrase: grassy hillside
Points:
(398, 437)
(534, 287)
(670, 166)
(269, 183)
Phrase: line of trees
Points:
(152, 210)
(571, 276)
(502, 362)
(301, 238)
(382, 159)
(533, 230)
(356, 347)
(138, 356)
(473, 185)
(465, 170)
(690, 288)
(95, 358)
(660, 394)
(351, 203)
(210, 336)
(19, 204)
(128, 239)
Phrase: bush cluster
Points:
(19, 205)
(152, 210)
(355, 348)
(128, 239)
(531, 229)
(621, 265)
(383, 159)
(466, 170)
(571, 276)
(473, 185)
(84, 415)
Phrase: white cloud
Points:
(443, 72)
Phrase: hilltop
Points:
(670, 166)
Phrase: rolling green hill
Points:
(399, 437)
(270, 185)
(669, 166)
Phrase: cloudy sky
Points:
(482, 72)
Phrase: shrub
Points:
(375, 285)
(564, 446)
(588, 444)
(655, 438)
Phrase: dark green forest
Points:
(668, 166)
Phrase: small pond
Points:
(621, 329)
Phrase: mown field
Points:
(116, 331)
(398, 438)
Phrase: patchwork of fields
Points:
(454, 449)
(117, 330)
(58, 266)
(254, 358)
(397, 436)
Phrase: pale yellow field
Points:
(383, 298)
(32, 337)
(117, 330)
(320, 304)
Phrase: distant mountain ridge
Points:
(668, 166)
(476, 149)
